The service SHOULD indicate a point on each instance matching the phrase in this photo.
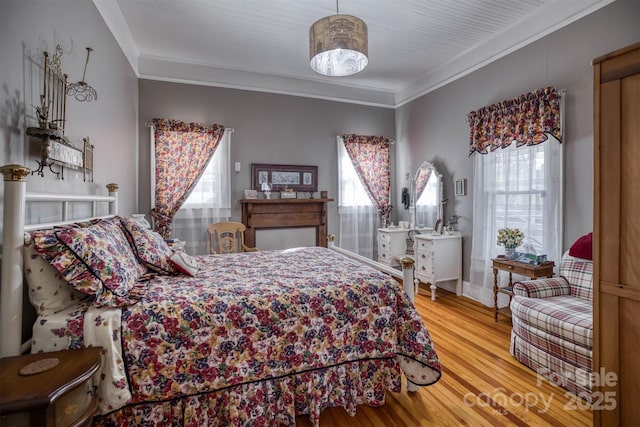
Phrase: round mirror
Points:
(426, 197)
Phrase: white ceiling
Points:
(415, 46)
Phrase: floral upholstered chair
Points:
(553, 322)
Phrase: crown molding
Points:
(164, 69)
(547, 19)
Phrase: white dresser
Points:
(392, 245)
(438, 258)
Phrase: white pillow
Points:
(185, 263)
(48, 292)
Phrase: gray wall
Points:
(269, 128)
(29, 27)
(274, 128)
(433, 127)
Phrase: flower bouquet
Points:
(510, 238)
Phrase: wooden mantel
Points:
(285, 213)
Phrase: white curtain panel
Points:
(209, 202)
(515, 188)
(427, 204)
(358, 216)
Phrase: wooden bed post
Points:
(15, 183)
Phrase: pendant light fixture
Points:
(81, 91)
(338, 45)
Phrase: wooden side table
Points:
(533, 271)
(37, 394)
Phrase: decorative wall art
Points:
(461, 187)
(55, 147)
(281, 177)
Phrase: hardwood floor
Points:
(481, 384)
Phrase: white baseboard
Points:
(480, 294)
(477, 293)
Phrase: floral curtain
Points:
(372, 162)
(421, 182)
(527, 119)
(182, 151)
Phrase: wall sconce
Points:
(55, 147)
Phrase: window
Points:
(520, 190)
(209, 202)
(212, 190)
(516, 188)
(352, 192)
(358, 216)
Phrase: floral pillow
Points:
(149, 247)
(96, 260)
(48, 292)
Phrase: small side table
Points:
(533, 271)
(38, 393)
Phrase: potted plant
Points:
(510, 238)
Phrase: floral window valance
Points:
(527, 120)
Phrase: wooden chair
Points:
(227, 237)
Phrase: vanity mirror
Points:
(427, 198)
(426, 209)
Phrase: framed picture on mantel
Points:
(282, 177)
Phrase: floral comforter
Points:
(266, 336)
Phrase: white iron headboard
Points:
(11, 289)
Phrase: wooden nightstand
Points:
(55, 396)
(531, 270)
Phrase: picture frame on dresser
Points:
(250, 194)
(298, 178)
(288, 195)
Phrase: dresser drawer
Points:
(439, 259)
(425, 277)
(392, 245)
(424, 245)
(424, 266)
(384, 256)
(425, 259)
(383, 237)
(384, 245)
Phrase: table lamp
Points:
(267, 190)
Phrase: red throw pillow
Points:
(583, 247)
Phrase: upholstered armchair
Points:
(553, 325)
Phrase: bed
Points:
(252, 338)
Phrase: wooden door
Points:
(617, 238)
